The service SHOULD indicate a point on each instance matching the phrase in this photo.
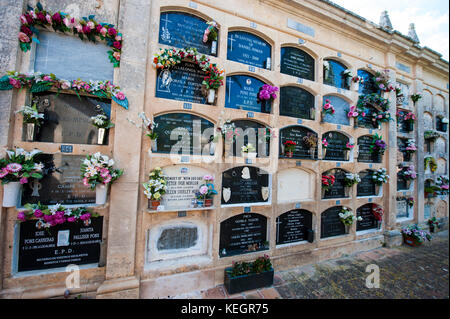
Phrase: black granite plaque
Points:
(248, 48)
(338, 188)
(366, 120)
(60, 245)
(368, 218)
(402, 183)
(341, 107)
(67, 118)
(293, 226)
(62, 182)
(182, 82)
(296, 102)
(251, 132)
(336, 146)
(330, 223)
(244, 233)
(245, 184)
(183, 30)
(242, 93)
(366, 187)
(190, 133)
(364, 155)
(297, 63)
(368, 85)
(296, 134)
(177, 238)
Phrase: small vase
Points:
(101, 193)
(444, 127)
(312, 152)
(250, 155)
(154, 145)
(214, 47)
(11, 193)
(31, 132)
(154, 204)
(431, 228)
(289, 154)
(312, 114)
(347, 229)
(324, 153)
(101, 136)
(268, 63)
(208, 202)
(211, 96)
(212, 148)
(379, 222)
(200, 203)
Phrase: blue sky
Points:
(431, 18)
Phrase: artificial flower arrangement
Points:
(409, 116)
(407, 172)
(380, 176)
(411, 146)
(416, 97)
(167, 58)
(324, 143)
(39, 82)
(347, 217)
(431, 135)
(328, 182)
(150, 126)
(289, 147)
(211, 32)
(98, 173)
(382, 81)
(378, 145)
(102, 123)
(347, 76)
(228, 130)
(205, 192)
(87, 27)
(328, 108)
(378, 213)
(57, 215)
(410, 202)
(380, 117)
(268, 134)
(249, 149)
(430, 161)
(398, 91)
(241, 268)
(349, 146)
(266, 93)
(358, 79)
(32, 120)
(310, 140)
(156, 187)
(443, 183)
(414, 236)
(17, 169)
(433, 224)
(373, 99)
(353, 112)
(351, 179)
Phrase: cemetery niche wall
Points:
(250, 49)
(245, 185)
(184, 30)
(244, 233)
(299, 135)
(297, 63)
(294, 226)
(297, 102)
(242, 93)
(182, 133)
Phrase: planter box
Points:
(247, 282)
(410, 241)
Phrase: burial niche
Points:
(245, 185)
(182, 133)
(305, 141)
(366, 212)
(62, 182)
(338, 190)
(184, 30)
(241, 234)
(297, 102)
(334, 74)
(367, 85)
(367, 186)
(341, 108)
(247, 48)
(294, 226)
(365, 153)
(337, 149)
(404, 209)
(330, 223)
(295, 185)
(251, 132)
(297, 63)
(242, 93)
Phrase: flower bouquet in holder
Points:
(382, 81)
(32, 120)
(17, 169)
(155, 188)
(248, 151)
(378, 146)
(98, 173)
(347, 77)
(211, 34)
(266, 95)
(430, 164)
(433, 224)
(150, 127)
(380, 177)
(102, 123)
(416, 97)
(409, 119)
(414, 236)
(324, 147)
(289, 147)
(212, 82)
(347, 218)
(378, 212)
(327, 183)
(350, 180)
(347, 148)
(310, 141)
(209, 179)
(443, 183)
(327, 108)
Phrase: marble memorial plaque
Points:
(364, 154)
(366, 187)
(330, 223)
(368, 85)
(62, 182)
(297, 102)
(293, 226)
(248, 48)
(341, 107)
(251, 132)
(244, 233)
(334, 75)
(366, 120)
(402, 208)
(297, 63)
(242, 93)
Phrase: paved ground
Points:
(405, 273)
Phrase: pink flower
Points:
(208, 178)
(116, 55)
(91, 24)
(350, 145)
(15, 83)
(112, 32)
(14, 167)
(3, 172)
(363, 114)
(23, 20)
(327, 106)
(48, 218)
(48, 18)
(47, 78)
(38, 213)
(120, 96)
(79, 28)
(203, 190)
(23, 37)
(117, 44)
(118, 38)
(65, 85)
(23, 180)
(71, 219)
(86, 29)
(67, 22)
(85, 216)
(103, 31)
(107, 179)
(104, 172)
(86, 181)
(21, 216)
(56, 17)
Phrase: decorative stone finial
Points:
(412, 33)
(385, 22)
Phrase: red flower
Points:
(26, 30)
(117, 44)
(56, 17)
(112, 32)
(41, 17)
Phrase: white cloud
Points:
(431, 18)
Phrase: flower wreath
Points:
(167, 58)
(373, 99)
(39, 82)
(87, 28)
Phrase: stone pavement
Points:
(405, 273)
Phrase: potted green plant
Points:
(32, 120)
(433, 224)
(347, 218)
(155, 188)
(414, 236)
(243, 276)
(102, 123)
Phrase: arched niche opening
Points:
(248, 48)
(249, 132)
(297, 102)
(366, 154)
(367, 84)
(338, 189)
(294, 226)
(330, 223)
(305, 139)
(370, 218)
(341, 107)
(297, 62)
(334, 74)
(295, 185)
(367, 186)
(337, 147)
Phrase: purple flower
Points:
(85, 216)
(21, 216)
(48, 218)
(23, 180)
(38, 213)
(56, 17)
(71, 219)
